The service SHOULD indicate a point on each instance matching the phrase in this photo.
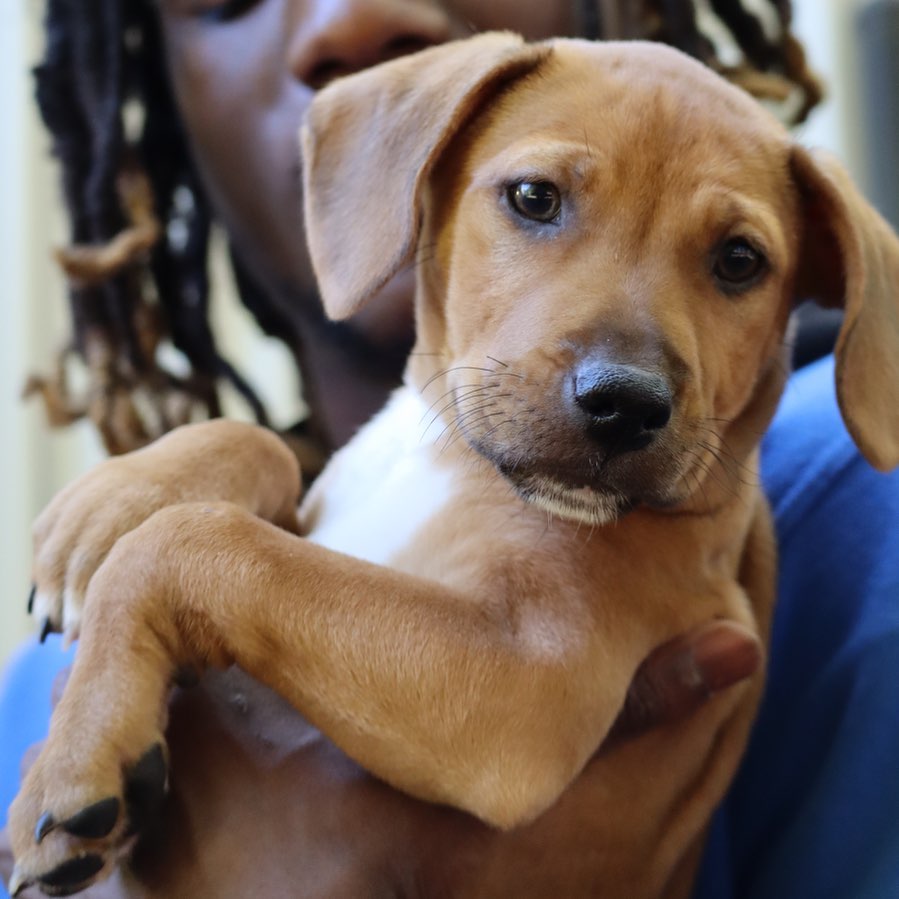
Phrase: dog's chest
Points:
(380, 490)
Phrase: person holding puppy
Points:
(193, 165)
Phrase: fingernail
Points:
(726, 657)
(31, 598)
(46, 628)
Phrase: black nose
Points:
(623, 406)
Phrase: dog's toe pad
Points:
(95, 821)
(70, 876)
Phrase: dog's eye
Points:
(536, 200)
(738, 263)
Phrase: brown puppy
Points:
(610, 240)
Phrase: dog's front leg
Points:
(428, 689)
(211, 461)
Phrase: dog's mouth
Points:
(583, 504)
(590, 494)
(594, 488)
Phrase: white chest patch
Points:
(382, 487)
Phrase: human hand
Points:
(680, 675)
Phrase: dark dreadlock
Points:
(771, 68)
(140, 222)
(140, 227)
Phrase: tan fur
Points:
(481, 659)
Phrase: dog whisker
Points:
(471, 390)
(496, 427)
(705, 463)
(455, 426)
(727, 421)
(587, 144)
(729, 464)
(724, 447)
(715, 468)
(700, 486)
(458, 368)
(722, 442)
(462, 423)
(448, 427)
(468, 417)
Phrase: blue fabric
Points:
(25, 688)
(814, 812)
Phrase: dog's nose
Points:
(624, 406)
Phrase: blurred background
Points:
(853, 44)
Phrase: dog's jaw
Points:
(580, 504)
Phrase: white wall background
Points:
(35, 462)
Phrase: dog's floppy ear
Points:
(369, 142)
(850, 258)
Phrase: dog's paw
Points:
(67, 833)
(77, 530)
(55, 613)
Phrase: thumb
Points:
(680, 675)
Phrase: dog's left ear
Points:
(369, 142)
(850, 258)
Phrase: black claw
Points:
(95, 821)
(145, 788)
(46, 628)
(31, 598)
(70, 876)
(44, 825)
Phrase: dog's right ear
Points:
(369, 142)
(850, 258)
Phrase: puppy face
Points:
(607, 271)
(609, 240)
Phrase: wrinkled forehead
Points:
(640, 109)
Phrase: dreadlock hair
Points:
(140, 228)
(140, 221)
(768, 62)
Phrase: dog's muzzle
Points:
(590, 445)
